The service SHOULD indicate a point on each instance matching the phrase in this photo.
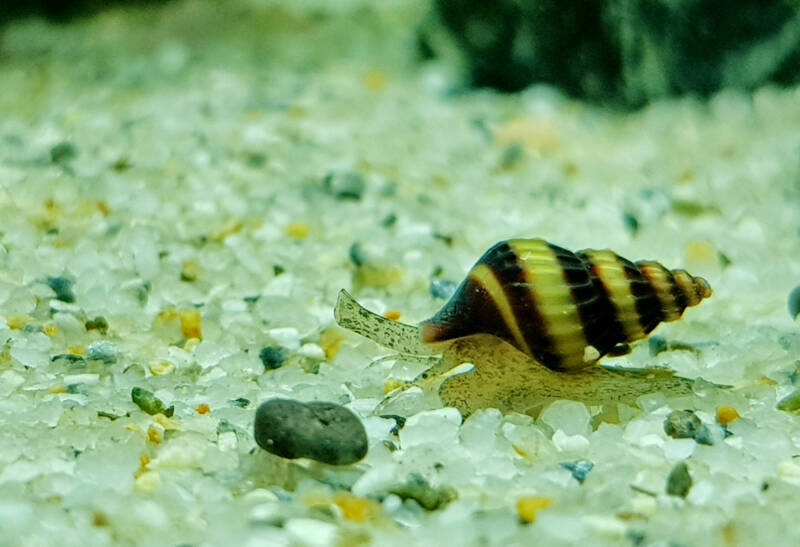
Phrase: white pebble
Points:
(288, 337)
(569, 416)
(312, 350)
(311, 532)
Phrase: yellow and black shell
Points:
(564, 309)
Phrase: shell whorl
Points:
(564, 309)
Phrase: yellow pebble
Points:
(228, 229)
(58, 388)
(315, 498)
(392, 314)
(155, 434)
(166, 315)
(136, 429)
(297, 230)
(375, 80)
(369, 275)
(686, 175)
(202, 408)
(355, 508)
(533, 134)
(726, 414)
(391, 384)
(52, 205)
(190, 271)
(149, 481)
(50, 330)
(144, 460)
(16, 322)
(701, 251)
(296, 111)
(529, 505)
(157, 368)
(167, 423)
(190, 344)
(520, 451)
(330, 342)
(191, 323)
(76, 350)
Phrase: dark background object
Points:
(626, 52)
(61, 10)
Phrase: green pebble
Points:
(794, 302)
(791, 402)
(63, 152)
(149, 403)
(679, 482)
(420, 490)
(99, 323)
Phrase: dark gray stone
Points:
(273, 357)
(682, 424)
(321, 431)
(679, 482)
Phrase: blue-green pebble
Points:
(794, 302)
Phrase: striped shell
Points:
(564, 309)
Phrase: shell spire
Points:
(564, 309)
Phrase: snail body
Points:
(565, 310)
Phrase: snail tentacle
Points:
(394, 335)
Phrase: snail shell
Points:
(564, 309)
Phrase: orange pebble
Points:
(202, 409)
(726, 414)
(392, 314)
(191, 323)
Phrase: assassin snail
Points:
(564, 309)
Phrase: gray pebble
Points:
(62, 287)
(344, 184)
(442, 288)
(102, 351)
(579, 469)
(656, 345)
(679, 482)
(704, 436)
(321, 431)
(682, 424)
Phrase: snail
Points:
(562, 310)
